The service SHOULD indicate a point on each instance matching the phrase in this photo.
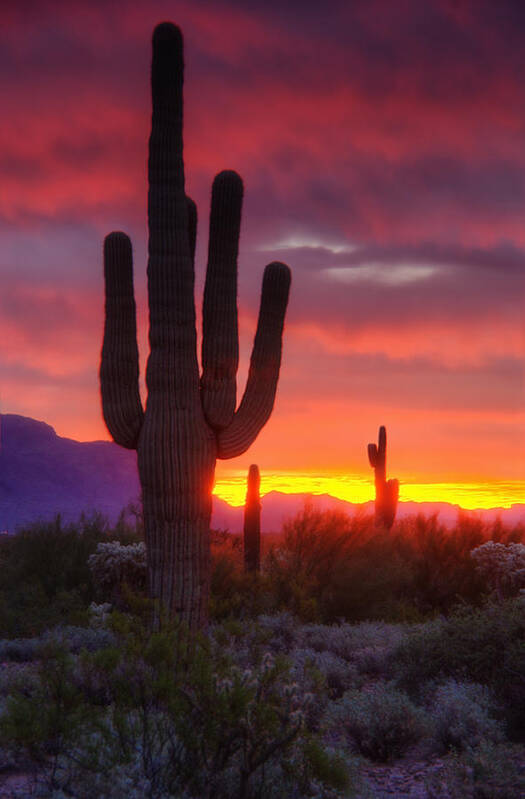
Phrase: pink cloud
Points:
(393, 128)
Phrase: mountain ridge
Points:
(42, 474)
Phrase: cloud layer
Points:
(382, 149)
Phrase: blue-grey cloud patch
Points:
(496, 386)
(32, 377)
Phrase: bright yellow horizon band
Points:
(231, 487)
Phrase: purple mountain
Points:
(277, 508)
(42, 474)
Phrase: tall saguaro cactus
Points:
(252, 522)
(188, 421)
(387, 491)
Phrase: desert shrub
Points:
(282, 630)
(236, 593)
(345, 640)
(27, 611)
(71, 639)
(335, 673)
(472, 641)
(99, 614)
(490, 771)
(330, 768)
(302, 568)
(368, 647)
(441, 569)
(370, 583)
(164, 714)
(45, 578)
(41, 717)
(53, 555)
(381, 721)
(443, 572)
(78, 639)
(20, 650)
(129, 528)
(462, 715)
(483, 645)
(328, 566)
(114, 565)
(344, 653)
(502, 566)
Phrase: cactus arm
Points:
(220, 338)
(258, 399)
(172, 370)
(377, 456)
(119, 366)
(382, 442)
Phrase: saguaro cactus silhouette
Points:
(252, 522)
(188, 422)
(387, 491)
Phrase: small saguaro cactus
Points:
(188, 422)
(387, 491)
(252, 522)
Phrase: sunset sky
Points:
(382, 147)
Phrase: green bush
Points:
(330, 566)
(483, 645)
(381, 721)
(45, 578)
(442, 571)
(114, 565)
(71, 639)
(164, 714)
(236, 593)
(462, 715)
(326, 567)
(502, 566)
(47, 716)
(490, 771)
(302, 568)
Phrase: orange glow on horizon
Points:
(231, 487)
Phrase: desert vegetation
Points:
(336, 663)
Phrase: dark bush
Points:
(483, 645)
(45, 578)
(329, 566)
(168, 714)
(381, 721)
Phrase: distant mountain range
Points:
(42, 474)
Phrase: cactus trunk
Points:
(387, 491)
(189, 420)
(252, 522)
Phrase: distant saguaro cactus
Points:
(188, 422)
(252, 522)
(387, 491)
